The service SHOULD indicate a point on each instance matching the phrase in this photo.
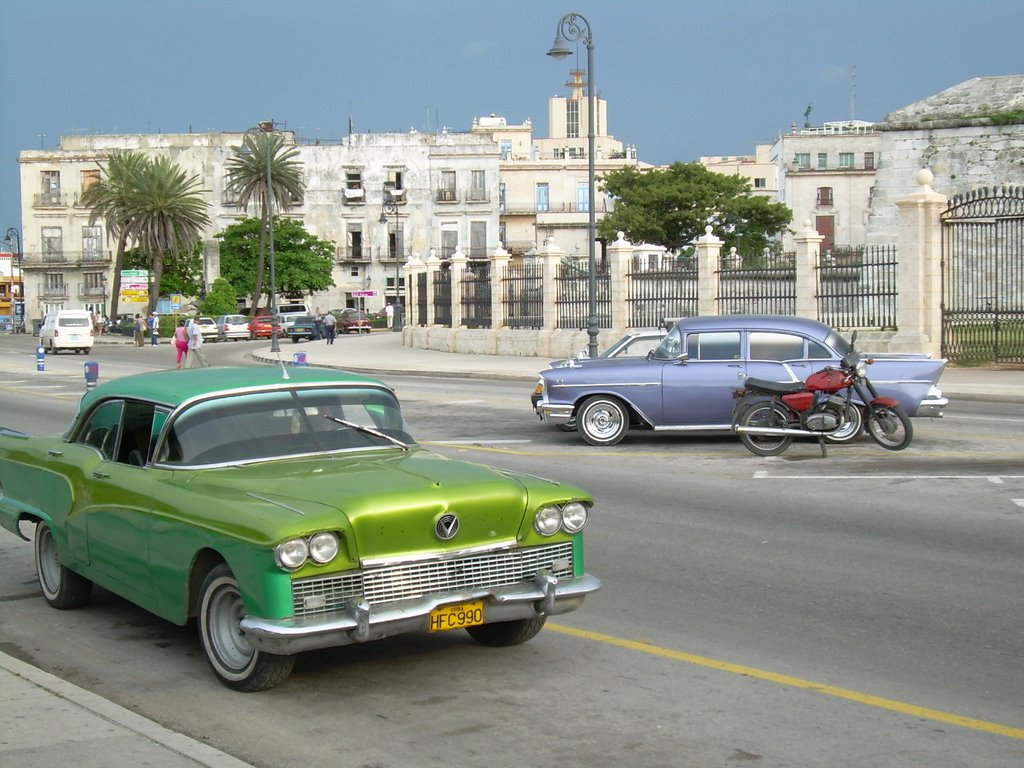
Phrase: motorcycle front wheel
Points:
(765, 415)
(890, 428)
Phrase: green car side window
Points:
(103, 429)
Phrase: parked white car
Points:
(232, 327)
(67, 329)
(208, 328)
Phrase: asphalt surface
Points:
(48, 719)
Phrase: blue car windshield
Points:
(671, 346)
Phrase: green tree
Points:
(672, 206)
(108, 199)
(222, 299)
(247, 178)
(165, 208)
(303, 262)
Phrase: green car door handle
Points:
(100, 475)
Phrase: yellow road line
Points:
(795, 682)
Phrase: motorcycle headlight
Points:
(292, 554)
(548, 520)
(323, 547)
(862, 369)
(574, 516)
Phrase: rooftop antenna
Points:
(853, 92)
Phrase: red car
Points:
(262, 327)
(353, 320)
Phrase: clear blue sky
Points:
(683, 78)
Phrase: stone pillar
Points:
(458, 271)
(808, 243)
(499, 263)
(414, 267)
(919, 275)
(551, 255)
(433, 265)
(708, 250)
(620, 263)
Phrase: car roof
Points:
(804, 325)
(175, 386)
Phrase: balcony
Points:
(347, 254)
(356, 196)
(387, 256)
(447, 196)
(92, 292)
(59, 291)
(477, 195)
(64, 259)
(55, 199)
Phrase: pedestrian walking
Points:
(330, 323)
(389, 311)
(181, 341)
(154, 329)
(318, 323)
(196, 356)
(140, 330)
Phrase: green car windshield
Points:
(260, 426)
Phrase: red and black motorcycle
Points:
(832, 405)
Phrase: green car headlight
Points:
(292, 554)
(323, 547)
(548, 520)
(574, 516)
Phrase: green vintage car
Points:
(287, 510)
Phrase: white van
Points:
(67, 329)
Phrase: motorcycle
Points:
(770, 414)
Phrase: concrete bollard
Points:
(92, 374)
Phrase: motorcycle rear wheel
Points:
(766, 414)
(890, 428)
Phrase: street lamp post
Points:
(14, 237)
(266, 127)
(389, 206)
(573, 28)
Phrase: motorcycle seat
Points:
(774, 387)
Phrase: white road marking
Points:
(1000, 419)
(1018, 502)
(463, 402)
(998, 479)
(480, 442)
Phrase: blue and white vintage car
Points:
(686, 384)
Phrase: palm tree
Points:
(247, 177)
(165, 210)
(108, 199)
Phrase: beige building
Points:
(828, 173)
(759, 169)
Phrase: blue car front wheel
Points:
(602, 420)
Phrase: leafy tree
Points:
(303, 262)
(671, 207)
(222, 299)
(247, 177)
(108, 199)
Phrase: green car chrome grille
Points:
(405, 581)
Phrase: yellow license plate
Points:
(457, 616)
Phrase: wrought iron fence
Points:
(421, 299)
(475, 289)
(857, 287)
(572, 295)
(443, 297)
(523, 296)
(664, 288)
(766, 289)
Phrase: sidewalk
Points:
(49, 721)
(381, 353)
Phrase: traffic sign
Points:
(364, 294)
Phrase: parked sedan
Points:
(633, 344)
(286, 512)
(262, 327)
(686, 384)
(302, 327)
(353, 320)
(232, 327)
(208, 327)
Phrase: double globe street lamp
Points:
(574, 28)
(390, 208)
(265, 130)
(13, 240)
